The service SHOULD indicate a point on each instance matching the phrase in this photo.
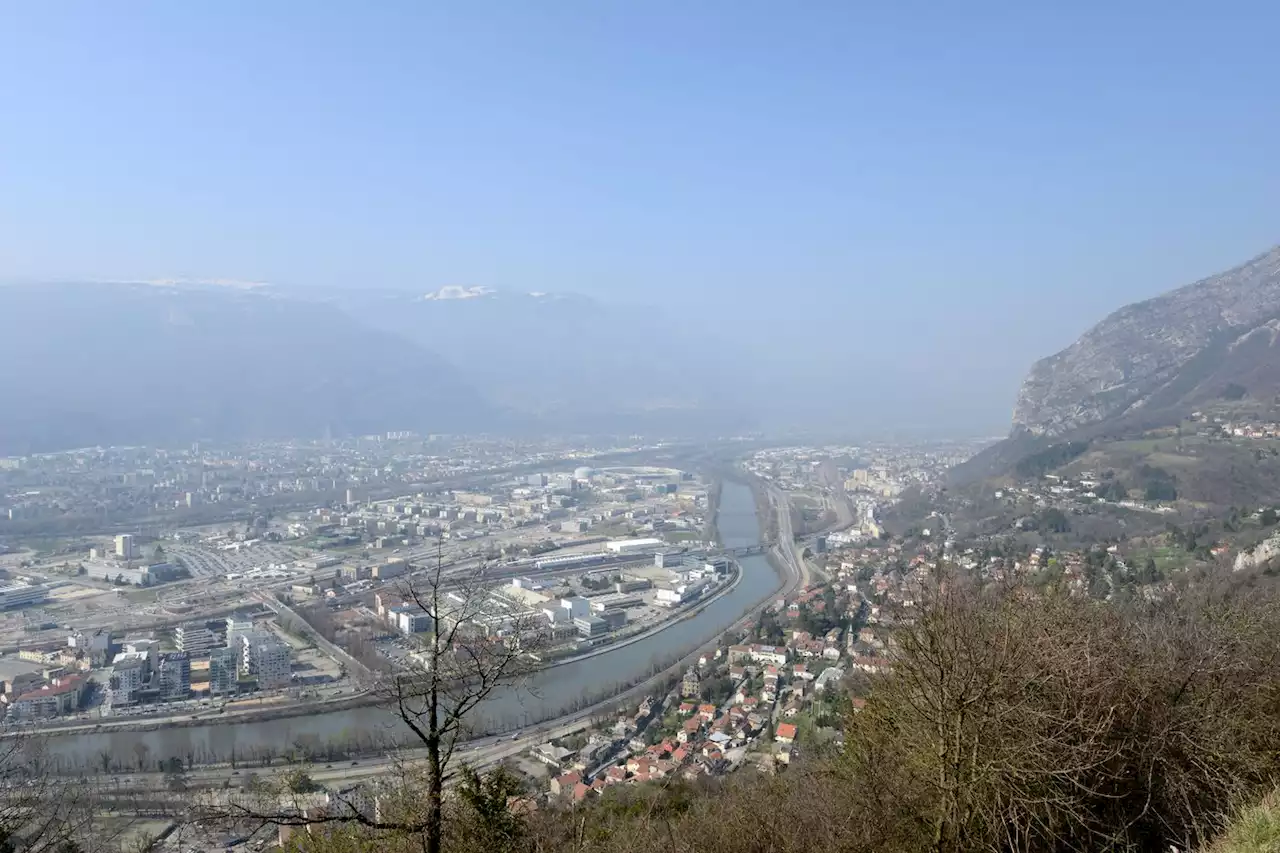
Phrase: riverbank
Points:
(364, 700)
(256, 715)
(689, 610)
(547, 695)
(712, 532)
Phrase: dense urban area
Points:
(150, 588)
(639, 427)
(156, 600)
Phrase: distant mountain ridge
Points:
(169, 361)
(89, 364)
(567, 360)
(1159, 356)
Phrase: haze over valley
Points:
(639, 427)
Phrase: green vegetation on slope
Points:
(1256, 830)
(1043, 461)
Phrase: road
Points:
(353, 666)
(480, 754)
(790, 552)
(839, 499)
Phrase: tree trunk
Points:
(435, 794)
(435, 797)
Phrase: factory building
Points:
(633, 546)
(591, 626)
(568, 560)
(613, 619)
(576, 606)
(681, 594)
(118, 572)
(390, 569)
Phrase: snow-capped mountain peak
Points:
(456, 292)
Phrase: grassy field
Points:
(1256, 830)
(1167, 557)
(137, 595)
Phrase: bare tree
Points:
(1016, 722)
(475, 643)
(43, 812)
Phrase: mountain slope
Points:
(117, 363)
(1158, 356)
(569, 361)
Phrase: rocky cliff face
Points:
(1167, 351)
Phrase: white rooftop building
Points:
(21, 594)
(631, 546)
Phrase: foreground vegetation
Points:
(1012, 722)
(1255, 830)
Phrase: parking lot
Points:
(206, 561)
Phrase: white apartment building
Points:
(267, 659)
(126, 549)
(195, 638)
(127, 678)
(238, 624)
(21, 594)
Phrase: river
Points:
(548, 694)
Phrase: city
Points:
(743, 598)
(651, 427)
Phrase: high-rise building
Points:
(238, 624)
(127, 677)
(267, 660)
(147, 648)
(97, 645)
(224, 671)
(174, 676)
(126, 549)
(195, 639)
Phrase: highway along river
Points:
(549, 694)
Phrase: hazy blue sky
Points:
(937, 192)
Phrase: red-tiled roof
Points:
(67, 686)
